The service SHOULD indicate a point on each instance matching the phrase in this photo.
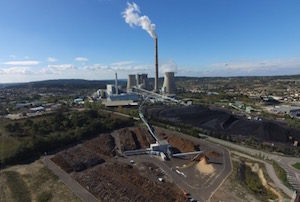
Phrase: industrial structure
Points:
(142, 81)
(115, 97)
(156, 66)
(138, 80)
(169, 84)
(131, 82)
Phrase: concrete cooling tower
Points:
(131, 81)
(169, 83)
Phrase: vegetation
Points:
(253, 183)
(44, 196)
(45, 134)
(17, 186)
(297, 165)
(280, 172)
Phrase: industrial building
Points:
(114, 99)
(161, 146)
(110, 89)
(169, 86)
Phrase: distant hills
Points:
(63, 83)
(82, 83)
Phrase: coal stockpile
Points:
(223, 122)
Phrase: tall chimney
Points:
(156, 68)
(116, 84)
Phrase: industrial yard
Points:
(104, 170)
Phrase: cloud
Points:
(58, 68)
(22, 62)
(16, 70)
(23, 73)
(258, 67)
(51, 59)
(81, 59)
(12, 56)
(96, 67)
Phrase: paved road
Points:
(76, 188)
(285, 162)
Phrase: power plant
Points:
(141, 80)
(169, 84)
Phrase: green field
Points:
(297, 165)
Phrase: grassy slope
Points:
(280, 172)
(39, 182)
(297, 165)
(17, 186)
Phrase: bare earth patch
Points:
(41, 183)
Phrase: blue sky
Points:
(89, 39)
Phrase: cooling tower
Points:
(169, 83)
(145, 81)
(142, 81)
(131, 81)
(156, 67)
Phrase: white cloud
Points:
(81, 59)
(22, 73)
(22, 62)
(16, 70)
(95, 67)
(12, 56)
(51, 59)
(259, 67)
(58, 68)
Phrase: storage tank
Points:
(169, 83)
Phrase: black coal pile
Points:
(223, 122)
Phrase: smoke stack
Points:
(116, 84)
(156, 67)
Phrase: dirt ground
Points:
(180, 144)
(40, 181)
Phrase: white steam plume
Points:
(133, 18)
(169, 66)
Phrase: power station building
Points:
(169, 86)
